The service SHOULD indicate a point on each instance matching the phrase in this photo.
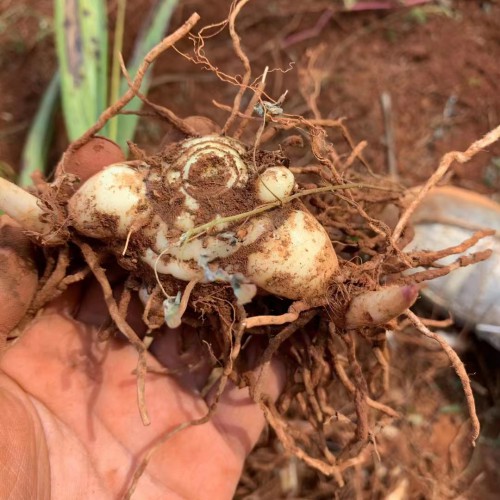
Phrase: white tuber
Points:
(380, 306)
(109, 203)
(148, 209)
(284, 251)
(275, 183)
(296, 260)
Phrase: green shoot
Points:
(152, 32)
(37, 144)
(81, 42)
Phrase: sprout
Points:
(25, 208)
(380, 306)
(171, 311)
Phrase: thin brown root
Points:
(280, 427)
(427, 258)
(317, 412)
(151, 56)
(155, 294)
(50, 288)
(380, 355)
(292, 315)
(360, 389)
(162, 111)
(274, 345)
(235, 10)
(430, 274)
(163, 439)
(459, 369)
(443, 167)
(125, 298)
(355, 154)
(251, 105)
(313, 169)
(93, 262)
(74, 278)
(341, 373)
(239, 114)
(185, 298)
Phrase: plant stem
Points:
(150, 57)
(269, 206)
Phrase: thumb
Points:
(18, 276)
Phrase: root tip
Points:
(410, 293)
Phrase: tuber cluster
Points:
(205, 210)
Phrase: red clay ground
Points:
(440, 67)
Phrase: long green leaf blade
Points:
(96, 29)
(37, 144)
(81, 42)
(152, 32)
(114, 91)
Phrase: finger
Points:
(184, 353)
(238, 417)
(25, 472)
(18, 275)
(94, 155)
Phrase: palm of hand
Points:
(70, 404)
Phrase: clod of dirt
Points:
(86, 161)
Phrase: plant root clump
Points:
(227, 233)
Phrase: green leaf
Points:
(37, 144)
(114, 91)
(152, 32)
(82, 50)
